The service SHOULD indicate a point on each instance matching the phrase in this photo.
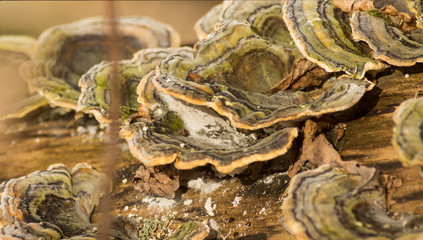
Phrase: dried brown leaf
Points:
(350, 6)
(303, 74)
(143, 112)
(159, 182)
(391, 184)
(315, 151)
(396, 11)
(401, 20)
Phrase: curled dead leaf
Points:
(158, 181)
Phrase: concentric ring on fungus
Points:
(322, 34)
(388, 42)
(66, 52)
(52, 204)
(231, 67)
(338, 203)
(408, 132)
(95, 87)
(264, 17)
(206, 23)
(192, 136)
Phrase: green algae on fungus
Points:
(190, 230)
(190, 136)
(322, 34)
(95, 87)
(334, 202)
(65, 52)
(408, 132)
(389, 43)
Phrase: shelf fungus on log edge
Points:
(334, 202)
(232, 66)
(408, 132)
(184, 121)
(64, 53)
(264, 17)
(18, 101)
(95, 87)
(192, 136)
(53, 204)
(205, 24)
(389, 43)
(322, 33)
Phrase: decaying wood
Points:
(240, 207)
(368, 136)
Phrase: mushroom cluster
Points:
(227, 79)
(218, 103)
(62, 54)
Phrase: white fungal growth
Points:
(205, 128)
(210, 206)
(205, 187)
(236, 201)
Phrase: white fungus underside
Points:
(205, 129)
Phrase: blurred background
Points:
(32, 17)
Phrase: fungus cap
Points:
(65, 52)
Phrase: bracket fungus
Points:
(332, 202)
(64, 53)
(351, 6)
(228, 79)
(52, 204)
(264, 17)
(192, 136)
(408, 132)
(390, 44)
(95, 87)
(22, 46)
(18, 100)
(206, 23)
(321, 32)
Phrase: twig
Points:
(112, 150)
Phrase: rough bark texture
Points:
(368, 137)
